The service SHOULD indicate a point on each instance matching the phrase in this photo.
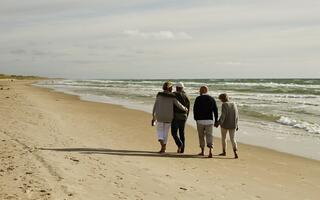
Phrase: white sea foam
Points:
(311, 128)
(272, 85)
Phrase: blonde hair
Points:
(203, 89)
(166, 85)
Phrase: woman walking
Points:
(229, 123)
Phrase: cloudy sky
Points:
(161, 38)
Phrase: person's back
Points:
(229, 123)
(204, 107)
(182, 97)
(164, 106)
(229, 119)
(180, 118)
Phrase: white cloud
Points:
(160, 35)
(110, 38)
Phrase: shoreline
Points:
(78, 149)
(189, 125)
(253, 133)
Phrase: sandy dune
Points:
(54, 146)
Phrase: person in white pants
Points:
(162, 131)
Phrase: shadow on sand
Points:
(120, 152)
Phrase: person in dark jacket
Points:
(180, 118)
(205, 112)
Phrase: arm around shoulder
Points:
(179, 105)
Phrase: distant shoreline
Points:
(21, 77)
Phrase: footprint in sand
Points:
(10, 197)
(183, 188)
(119, 178)
(118, 185)
(82, 180)
(120, 195)
(74, 159)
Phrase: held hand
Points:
(153, 122)
(216, 124)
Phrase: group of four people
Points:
(171, 109)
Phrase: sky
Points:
(160, 39)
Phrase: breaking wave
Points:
(311, 128)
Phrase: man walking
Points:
(180, 118)
(204, 108)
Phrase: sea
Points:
(280, 114)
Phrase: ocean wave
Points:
(291, 96)
(311, 128)
(293, 90)
(271, 84)
(102, 81)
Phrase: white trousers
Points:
(162, 131)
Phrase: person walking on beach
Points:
(163, 113)
(228, 122)
(180, 117)
(204, 108)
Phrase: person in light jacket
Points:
(163, 113)
(228, 122)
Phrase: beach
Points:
(279, 114)
(57, 146)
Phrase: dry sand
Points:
(55, 146)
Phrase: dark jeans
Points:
(178, 125)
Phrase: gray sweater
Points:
(229, 116)
(163, 107)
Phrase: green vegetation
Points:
(19, 77)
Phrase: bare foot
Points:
(162, 151)
(201, 154)
(235, 154)
(210, 155)
(222, 154)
